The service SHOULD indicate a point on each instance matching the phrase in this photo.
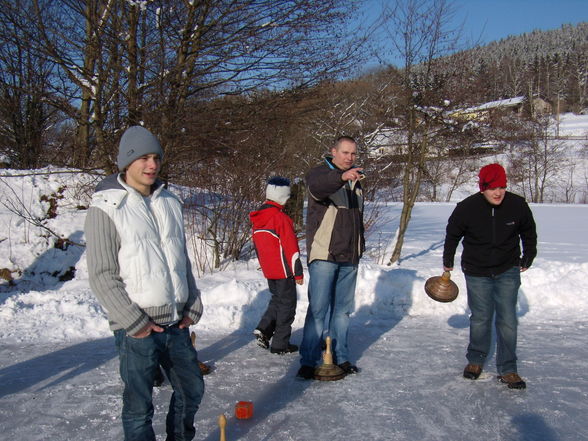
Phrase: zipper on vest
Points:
(152, 210)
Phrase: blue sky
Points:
(492, 20)
(484, 21)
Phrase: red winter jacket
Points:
(275, 242)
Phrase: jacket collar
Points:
(273, 203)
(114, 189)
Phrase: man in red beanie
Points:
(493, 224)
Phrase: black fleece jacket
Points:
(491, 235)
(334, 217)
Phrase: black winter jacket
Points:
(334, 220)
(491, 235)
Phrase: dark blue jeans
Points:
(331, 288)
(140, 359)
(488, 296)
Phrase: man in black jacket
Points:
(492, 224)
(334, 244)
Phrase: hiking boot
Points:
(472, 371)
(348, 368)
(513, 380)
(305, 372)
(262, 339)
(204, 368)
(288, 350)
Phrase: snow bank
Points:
(50, 302)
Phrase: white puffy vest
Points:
(152, 255)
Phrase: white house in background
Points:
(387, 141)
(483, 111)
(390, 141)
(516, 105)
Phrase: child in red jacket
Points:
(279, 256)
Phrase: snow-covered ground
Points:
(59, 370)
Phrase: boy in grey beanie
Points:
(136, 142)
(140, 272)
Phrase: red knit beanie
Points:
(492, 176)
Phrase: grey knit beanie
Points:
(137, 141)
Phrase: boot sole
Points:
(518, 385)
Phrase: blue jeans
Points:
(331, 287)
(487, 296)
(140, 359)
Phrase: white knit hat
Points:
(278, 190)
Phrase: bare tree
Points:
(25, 112)
(120, 63)
(237, 47)
(537, 157)
(579, 76)
(73, 34)
(419, 31)
(262, 135)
